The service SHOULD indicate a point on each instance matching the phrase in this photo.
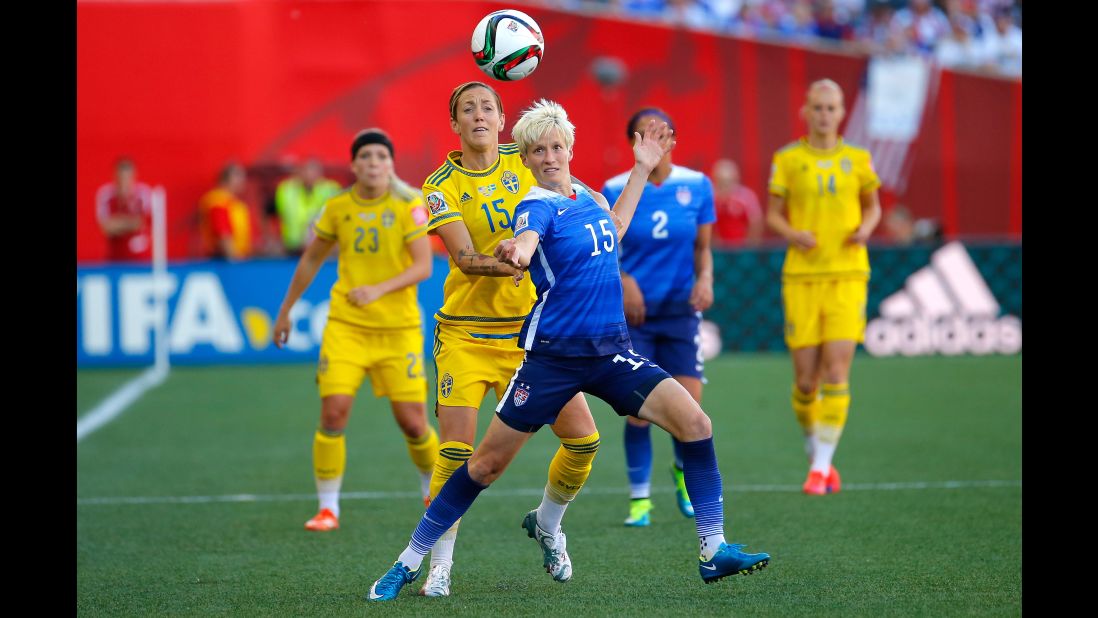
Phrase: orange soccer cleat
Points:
(834, 483)
(816, 484)
(323, 521)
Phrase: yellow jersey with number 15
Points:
(373, 238)
(822, 191)
(484, 201)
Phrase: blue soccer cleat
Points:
(553, 546)
(729, 560)
(639, 513)
(681, 496)
(388, 587)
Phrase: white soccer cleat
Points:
(554, 547)
(437, 583)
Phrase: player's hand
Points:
(859, 237)
(701, 296)
(633, 301)
(619, 225)
(281, 330)
(364, 295)
(803, 240)
(657, 141)
(508, 253)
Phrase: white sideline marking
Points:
(118, 401)
(507, 493)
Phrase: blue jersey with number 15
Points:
(659, 249)
(578, 311)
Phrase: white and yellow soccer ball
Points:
(508, 45)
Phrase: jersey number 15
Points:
(609, 246)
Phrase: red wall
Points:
(181, 87)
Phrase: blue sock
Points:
(703, 483)
(638, 459)
(676, 447)
(455, 497)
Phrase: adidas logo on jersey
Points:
(465, 197)
(946, 308)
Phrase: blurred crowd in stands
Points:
(971, 35)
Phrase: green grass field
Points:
(192, 503)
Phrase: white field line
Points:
(507, 493)
(118, 401)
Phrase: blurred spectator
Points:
(1003, 43)
(899, 226)
(297, 202)
(924, 25)
(959, 50)
(739, 216)
(876, 32)
(123, 208)
(225, 219)
(830, 23)
(690, 13)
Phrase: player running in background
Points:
(823, 201)
(576, 340)
(667, 281)
(471, 199)
(374, 326)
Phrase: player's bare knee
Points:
(699, 427)
(485, 469)
(806, 384)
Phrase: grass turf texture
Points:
(248, 430)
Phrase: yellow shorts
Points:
(393, 359)
(824, 310)
(470, 360)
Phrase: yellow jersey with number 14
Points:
(373, 236)
(484, 201)
(822, 191)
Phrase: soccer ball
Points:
(508, 45)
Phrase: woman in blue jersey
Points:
(667, 281)
(576, 340)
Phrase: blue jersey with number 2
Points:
(578, 311)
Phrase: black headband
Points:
(647, 111)
(371, 137)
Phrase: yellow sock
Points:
(807, 408)
(424, 450)
(450, 457)
(329, 455)
(571, 466)
(833, 412)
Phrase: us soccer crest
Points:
(510, 181)
(447, 384)
(522, 394)
(437, 203)
(683, 195)
(388, 218)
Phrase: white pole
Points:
(160, 277)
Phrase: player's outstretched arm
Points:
(648, 149)
(315, 253)
(420, 269)
(471, 262)
(517, 251)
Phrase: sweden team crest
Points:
(388, 218)
(447, 384)
(510, 181)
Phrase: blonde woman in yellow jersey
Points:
(374, 329)
(823, 200)
(471, 199)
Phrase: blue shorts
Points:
(542, 384)
(672, 342)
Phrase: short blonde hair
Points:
(538, 120)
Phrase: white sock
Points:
(821, 461)
(709, 545)
(443, 551)
(640, 490)
(425, 483)
(327, 491)
(411, 558)
(550, 513)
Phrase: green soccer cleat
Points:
(554, 547)
(729, 560)
(388, 587)
(639, 508)
(681, 496)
